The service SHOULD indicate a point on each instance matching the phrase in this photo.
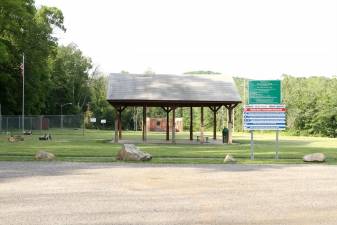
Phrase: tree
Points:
(25, 29)
(69, 79)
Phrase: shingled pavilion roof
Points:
(170, 92)
(167, 90)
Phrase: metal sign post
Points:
(277, 145)
(252, 145)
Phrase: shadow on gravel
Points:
(14, 170)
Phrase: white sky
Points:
(249, 38)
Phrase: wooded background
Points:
(56, 75)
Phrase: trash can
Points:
(225, 135)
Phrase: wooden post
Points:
(230, 125)
(116, 128)
(202, 125)
(214, 109)
(167, 125)
(120, 124)
(144, 124)
(167, 110)
(214, 124)
(191, 123)
(173, 125)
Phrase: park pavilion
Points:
(170, 92)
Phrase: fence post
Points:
(41, 119)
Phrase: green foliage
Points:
(312, 105)
(26, 30)
(69, 80)
(98, 105)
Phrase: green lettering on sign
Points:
(264, 92)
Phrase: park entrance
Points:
(170, 92)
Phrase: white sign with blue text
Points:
(266, 117)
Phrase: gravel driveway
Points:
(55, 193)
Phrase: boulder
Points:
(315, 157)
(130, 152)
(11, 139)
(229, 159)
(42, 155)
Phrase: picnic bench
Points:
(27, 132)
(45, 137)
(205, 138)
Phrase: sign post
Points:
(277, 145)
(252, 145)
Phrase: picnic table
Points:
(205, 138)
(45, 137)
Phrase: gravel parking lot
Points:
(55, 193)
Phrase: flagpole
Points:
(23, 92)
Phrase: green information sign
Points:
(264, 92)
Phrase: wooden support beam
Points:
(167, 126)
(118, 121)
(230, 121)
(119, 124)
(191, 123)
(116, 129)
(144, 124)
(173, 125)
(230, 125)
(167, 110)
(231, 106)
(202, 125)
(214, 125)
(214, 109)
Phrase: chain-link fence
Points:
(55, 124)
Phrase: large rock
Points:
(315, 157)
(42, 155)
(130, 152)
(229, 159)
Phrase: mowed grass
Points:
(96, 146)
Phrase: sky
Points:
(260, 39)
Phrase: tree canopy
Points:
(26, 30)
(56, 75)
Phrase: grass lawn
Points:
(95, 146)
